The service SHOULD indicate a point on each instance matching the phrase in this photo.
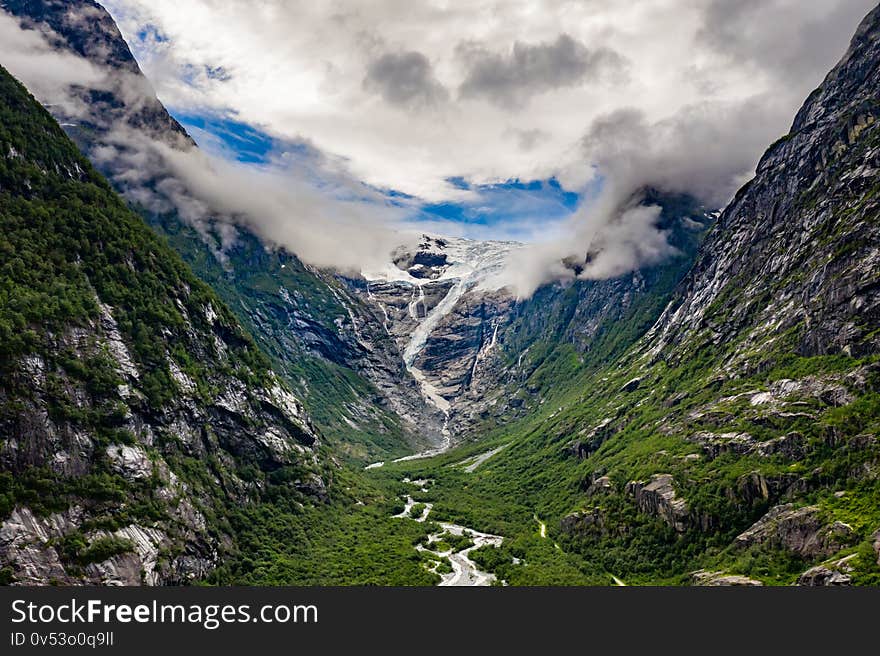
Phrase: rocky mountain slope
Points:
(737, 442)
(330, 347)
(438, 305)
(133, 407)
(381, 369)
(472, 344)
(709, 423)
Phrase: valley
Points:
(187, 401)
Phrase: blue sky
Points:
(417, 104)
(514, 209)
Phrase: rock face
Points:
(587, 523)
(798, 530)
(820, 576)
(135, 403)
(434, 303)
(658, 498)
(782, 255)
(716, 579)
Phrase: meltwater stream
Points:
(465, 571)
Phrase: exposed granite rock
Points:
(658, 498)
(591, 439)
(799, 530)
(753, 487)
(135, 568)
(631, 385)
(459, 351)
(713, 579)
(715, 444)
(822, 576)
(791, 445)
(601, 485)
(314, 486)
(579, 449)
(24, 545)
(130, 462)
(588, 523)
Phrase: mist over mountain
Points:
(302, 346)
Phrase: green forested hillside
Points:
(132, 404)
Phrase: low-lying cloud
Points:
(339, 224)
(607, 98)
(48, 73)
(706, 151)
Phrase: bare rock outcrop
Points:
(802, 531)
(718, 579)
(821, 576)
(658, 498)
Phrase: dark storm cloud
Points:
(405, 79)
(509, 80)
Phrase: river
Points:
(465, 572)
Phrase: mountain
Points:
(483, 355)
(329, 346)
(737, 441)
(436, 305)
(709, 420)
(381, 372)
(134, 410)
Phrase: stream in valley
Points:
(465, 571)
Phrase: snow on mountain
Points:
(429, 282)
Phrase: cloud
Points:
(528, 139)
(51, 75)
(699, 89)
(328, 228)
(707, 150)
(405, 79)
(510, 80)
(328, 220)
(791, 40)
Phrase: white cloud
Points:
(46, 72)
(297, 69)
(683, 95)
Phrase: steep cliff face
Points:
(439, 307)
(484, 356)
(329, 345)
(133, 407)
(794, 258)
(739, 436)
